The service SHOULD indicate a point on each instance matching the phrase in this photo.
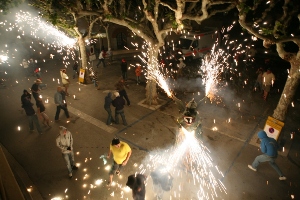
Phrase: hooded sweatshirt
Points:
(268, 145)
(63, 141)
(108, 100)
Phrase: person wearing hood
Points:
(136, 182)
(124, 69)
(268, 147)
(64, 142)
(26, 95)
(107, 103)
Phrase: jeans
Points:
(265, 158)
(124, 75)
(58, 111)
(101, 60)
(75, 72)
(34, 119)
(114, 168)
(69, 158)
(95, 83)
(109, 118)
(120, 112)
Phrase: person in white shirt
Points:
(64, 142)
(101, 58)
(268, 79)
(65, 80)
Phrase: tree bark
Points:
(83, 55)
(288, 92)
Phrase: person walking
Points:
(41, 111)
(268, 79)
(65, 80)
(258, 82)
(121, 153)
(64, 142)
(25, 95)
(138, 71)
(119, 103)
(124, 69)
(108, 101)
(181, 65)
(109, 54)
(31, 114)
(26, 67)
(120, 87)
(35, 88)
(136, 182)
(162, 181)
(101, 58)
(268, 147)
(75, 70)
(94, 76)
(60, 104)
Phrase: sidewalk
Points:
(148, 131)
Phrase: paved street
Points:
(235, 118)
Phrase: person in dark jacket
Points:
(119, 103)
(107, 103)
(268, 147)
(124, 69)
(162, 181)
(25, 95)
(120, 86)
(136, 182)
(32, 117)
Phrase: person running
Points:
(121, 152)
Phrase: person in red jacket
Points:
(138, 71)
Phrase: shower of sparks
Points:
(41, 37)
(213, 64)
(191, 154)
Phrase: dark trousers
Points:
(58, 108)
(101, 60)
(120, 112)
(110, 117)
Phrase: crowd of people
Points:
(120, 151)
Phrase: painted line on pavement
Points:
(90, 119)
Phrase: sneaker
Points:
(57, 120)
(74, 167)
(70, 175)
(250, 166)
(282, 178)
(111, 124)
(118, 172)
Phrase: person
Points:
(181, 65)
(31, 66)
(258, 82)
(26, 67)
(25, 95)
(101, 58)
(64, 142)
(108, 102)
(65, 80)
(124, 69)
(75, 69)
(41, 111)
(94, 76)
(138, 71)
(268, 147)
(268, 79)
(136, 182)
(35, 88)
(120, 87)
(30, 112)
(162, 181)
(119, 103)
(121, 153)
(37, 73)
(60, 104)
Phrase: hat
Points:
(116, 94)
(115, 141)
(123, 60)
(62, 129)
(25, 91)
(38, 81)
(180, 59)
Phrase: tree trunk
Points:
(151, 92)
(83, 56)
(107, 37)
(288, 91)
